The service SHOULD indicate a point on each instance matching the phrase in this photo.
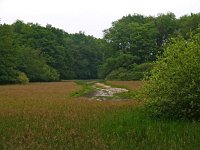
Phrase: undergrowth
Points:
(86, 88)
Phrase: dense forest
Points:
(30, 52)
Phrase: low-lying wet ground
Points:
(103, 92)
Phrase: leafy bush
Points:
(7, 75)
(121, 60)
(49, 74)
(13, 77)
(119, 74)
(145, 67)
(34, 66)
(22, 78)
(137, 73)
(173, 90)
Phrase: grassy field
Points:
(132, 85)
(46, 116)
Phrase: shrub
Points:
(115, 63)
(34, 66)
(13, 77)
(8, 75)
(118, 74)
(173, 90)
(139, 71)
(137, 75)
(49, 74)
(22, 78)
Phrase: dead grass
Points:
(134, 85)
(44, 116)
(38, 91)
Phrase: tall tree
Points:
(188, 24)
(166, 25)
(8, 72)
(134, 34)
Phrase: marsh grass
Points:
(132, 87)
(45, 116)
(86, 88)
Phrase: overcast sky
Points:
(89, 16)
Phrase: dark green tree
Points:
(8, 71)
(119, 60)
(30, 62)
(167, 26)
(134, 34)
(188, 24)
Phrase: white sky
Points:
(90, 16)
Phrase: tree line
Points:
(30, 52)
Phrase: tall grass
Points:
(45, 116)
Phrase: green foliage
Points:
(8, 72)
(134, 34)
(86, 89)
(173, 89)
(51, 54)
(35, 67)
(22, 78)
(72, 56)
(135, 130)
(119, 74)
(120, 60)
(137, 72)
(48, 53)
(8, 75)
(86, 53)
(143, 37)
(188, 24)
(166, 25)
